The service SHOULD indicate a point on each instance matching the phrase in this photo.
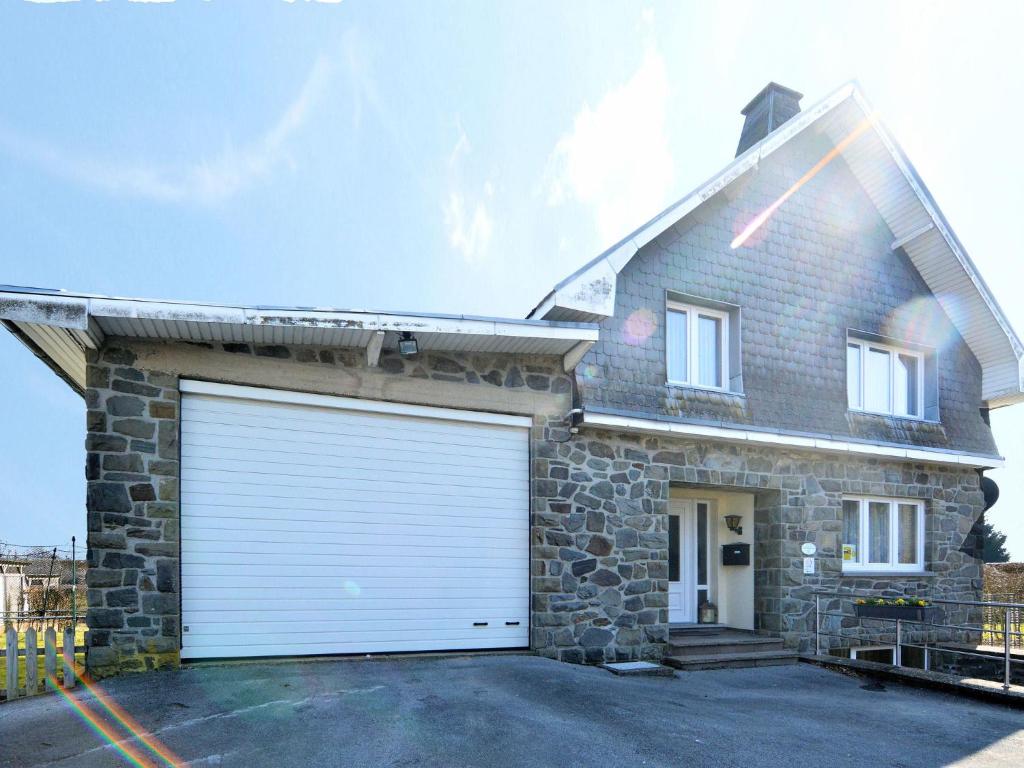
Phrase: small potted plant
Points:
(906, 608)
(708, 613)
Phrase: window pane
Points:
(702, 544)
(906, 385)
(908, 533)
(710, 351)
(876, 382)
(673, 547)
(853, 375)
(851, 531)
(878, 532)
(676, 346)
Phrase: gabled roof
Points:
(59, 327)
(903, 201)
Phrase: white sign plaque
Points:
(808, 548)
(808, 565)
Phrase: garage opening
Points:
(317, 525)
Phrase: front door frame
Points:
(684, 589)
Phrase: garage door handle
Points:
(511, 623)
(479, 623)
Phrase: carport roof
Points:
(60, 326)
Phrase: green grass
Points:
(80, 630)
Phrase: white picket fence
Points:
(30, 654)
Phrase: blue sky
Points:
(453, 157)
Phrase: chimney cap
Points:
(772, 86)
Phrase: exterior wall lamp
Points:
(732, 522)
(407, 345)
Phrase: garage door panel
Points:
(265, 553)
(216, 493)
(311, 611)
(315, 529)
(270, 507)
(210, 409)
(334, 464)
(346, 630)
(242, 469)
(371, 596)
(306, 648)
(277, 543)
(423, 483)
(418, 443)
(261, 518)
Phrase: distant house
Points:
(27, 584)
(778, 385)
(13, 585)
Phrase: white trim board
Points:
(263, 394)
(734, 435)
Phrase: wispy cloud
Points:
(206, 181)
(617, 158)
(467, 218)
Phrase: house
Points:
(779, 385)
(23, 577)
(13, 587)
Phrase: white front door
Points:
(687, 559)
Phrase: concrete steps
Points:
(731, 660)
(717, 648)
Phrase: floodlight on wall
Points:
(407, 345)
(732, 522)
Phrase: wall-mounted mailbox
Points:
(736, 554)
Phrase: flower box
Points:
(930, 613)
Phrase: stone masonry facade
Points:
(132, 458)
(132, 503)
(600, 541)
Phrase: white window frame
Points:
(865, 346)
(894, 566)
(693, 312)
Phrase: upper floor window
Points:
(697, 346)
(883, 534)
(881, 378)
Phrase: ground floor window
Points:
(883, 654)
(882, 534)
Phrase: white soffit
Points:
(903, 201)
(60, 326)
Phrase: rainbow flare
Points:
(766, 214)
(126, 721)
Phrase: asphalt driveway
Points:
(517, 710)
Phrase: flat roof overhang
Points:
(60, 326)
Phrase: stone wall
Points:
(600, 544)
(132, 502)
(132, 457)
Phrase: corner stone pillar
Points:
(132, 471)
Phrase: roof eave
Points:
(59, 328)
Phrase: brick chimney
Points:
(773, 106)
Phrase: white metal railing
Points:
(1006, 613)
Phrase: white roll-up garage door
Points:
(318, 525)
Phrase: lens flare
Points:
(831, 155)
(352, 588)
(639, 326)
(126, 721)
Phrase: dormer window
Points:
(697, 346)
(887, 379)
